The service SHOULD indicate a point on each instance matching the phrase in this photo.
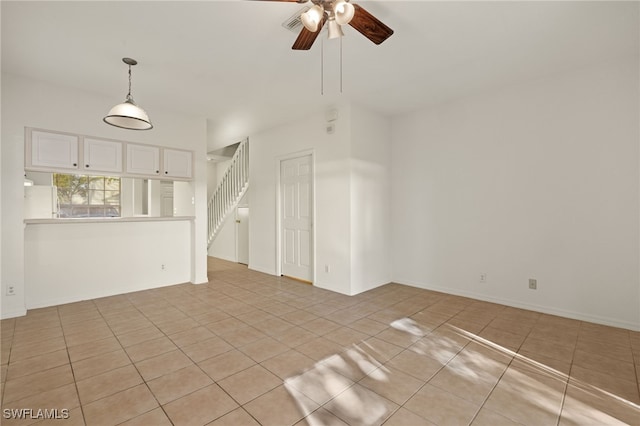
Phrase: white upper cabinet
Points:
(102, 156)
(177, 164)
(53, 151)
(68, 153)
(143, 160)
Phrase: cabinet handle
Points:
(166, 173)
(75, 164)
(86, 165)
(157, 171)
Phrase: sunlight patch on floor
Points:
(529, 386)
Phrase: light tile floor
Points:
(248, 348)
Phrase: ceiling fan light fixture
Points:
(128, 115)
(343, 12)
(335, 31)
(312, 17)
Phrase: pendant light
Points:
(128, 115)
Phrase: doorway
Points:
(242, 235)
(296, 217)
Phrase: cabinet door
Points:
(143, 160)
(177, 164)
(102, 156)
(54, 150)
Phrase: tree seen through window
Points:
(87, 196)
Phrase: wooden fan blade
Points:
(306, 38)
(370, 26)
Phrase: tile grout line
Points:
(248, 285)
(134, 366)
(495, 385)
(195, 363)
(573, 355)
(4, 382)
(73, 373)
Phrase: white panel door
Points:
(296, 218)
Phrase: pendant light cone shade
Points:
(334, 29)
(128, 115)
(312, 17)
(344, 12)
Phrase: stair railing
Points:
(230, 190)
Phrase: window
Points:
(87, 196)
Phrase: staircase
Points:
(230, 190)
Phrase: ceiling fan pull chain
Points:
(322, 67)
(340, 65)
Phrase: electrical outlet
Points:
(162, 267)
(11, 291)
(483, 278)
(533, 284)
(327, 269)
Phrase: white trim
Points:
(94, 295)
(264, 269)
(531, 307)
(13, 313)
(236, 226)
(69, 220)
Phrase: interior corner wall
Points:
(370, 199)
(332, 195)
(539, 180)
(224, 245)
(43, 105)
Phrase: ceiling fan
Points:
(337, 13)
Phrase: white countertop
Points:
(106, 219)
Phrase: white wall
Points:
(535, 181)
(26, 102)
(370, 200)
(332, 195)
(89, 259)
(352, 196)
(183, 199)
(224, 245)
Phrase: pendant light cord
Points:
(129, 94)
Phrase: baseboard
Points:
(581, 316)
(13, 313)
(227, 258)
(90, 296)
(264, 270)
